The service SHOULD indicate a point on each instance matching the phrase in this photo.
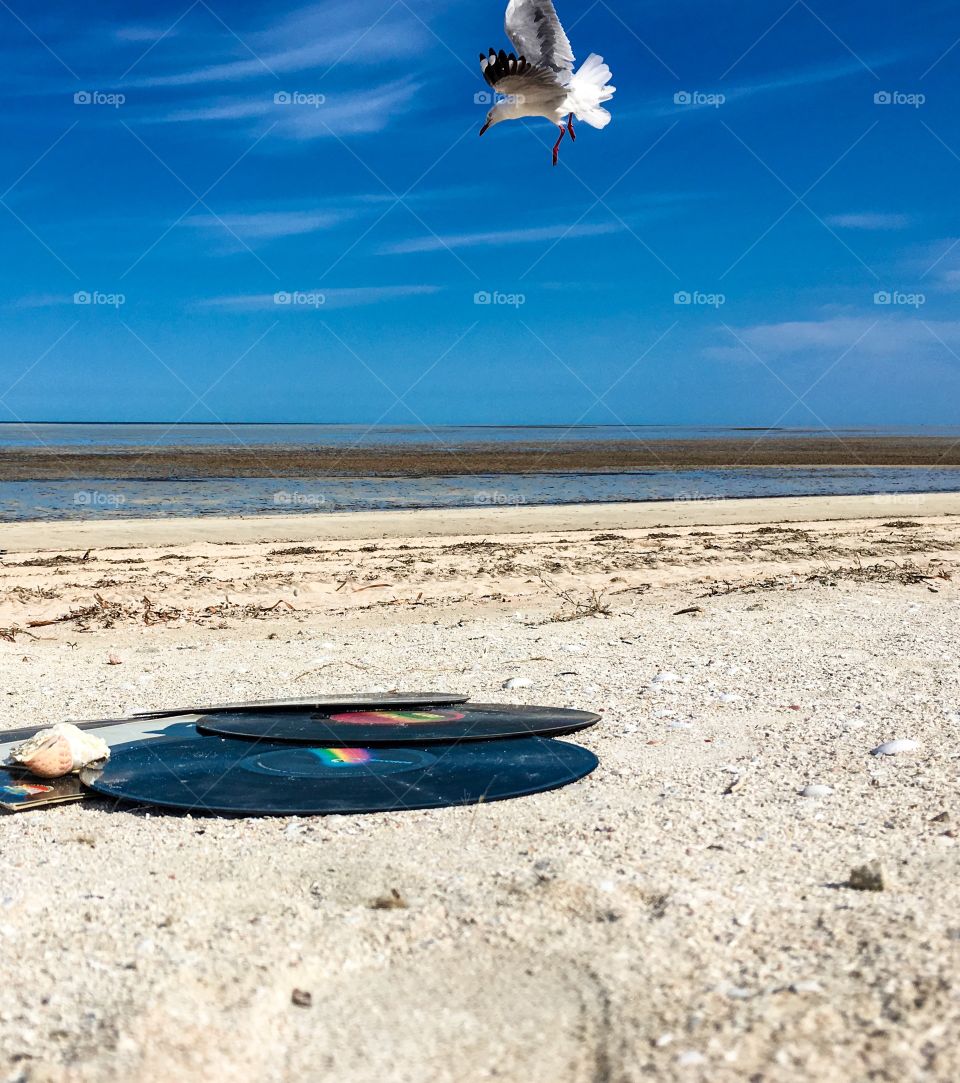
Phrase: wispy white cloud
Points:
(42, 300)
(314, 37)
(338, 114)
(870, 221)
(881, 337)
(703, 99)
(270, 225)
(319, 299)
(500, 237)
(934, 265)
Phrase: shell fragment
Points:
(62, 750)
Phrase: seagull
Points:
(538, 80)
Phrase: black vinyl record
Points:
(464, 722)
(347, 702)
(198, 774)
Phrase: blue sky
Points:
(776, 164)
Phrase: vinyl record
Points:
(366, 700)
(467, 722)
(217, 775)
(19, 790)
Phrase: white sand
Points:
(642, 924)
(352, 526)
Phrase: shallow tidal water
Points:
(137, 499)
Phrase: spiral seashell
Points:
(59, 751)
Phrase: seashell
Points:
(59, 751)
(665, 678)
(816, 789)
(892, 748)
(517, 682)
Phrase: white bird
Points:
(538, 80)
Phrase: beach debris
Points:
(393, 901)
(516, 682)
(691, 610)
(889, 571)
(868, 877)
(300, 998)
(729, 697)
(643, 588)
(734, 785)
(59, 751)
(816, 789)
(53, 562)
(665, 678)
(113, 660)
(105, 613)
(894, 748)
(593, 604)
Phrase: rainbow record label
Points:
(20, 791)
(469, 722)
(218, 775)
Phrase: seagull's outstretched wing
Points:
(537, 88)
(535, 30)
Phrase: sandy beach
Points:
(682, 914)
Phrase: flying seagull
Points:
(538, 80)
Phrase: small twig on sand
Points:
(594, 605)
(328, 665)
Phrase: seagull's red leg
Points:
(573, 134)
(556, 149)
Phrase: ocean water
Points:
(92, 499)
(55, 500)
(159, 435)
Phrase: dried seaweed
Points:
(52, 562)
(107, 614)
(887, 572)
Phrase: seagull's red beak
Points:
(484, 128)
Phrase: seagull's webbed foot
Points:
(556, 148)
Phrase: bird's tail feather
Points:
(589, 88)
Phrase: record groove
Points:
(467, 722)
(198, 774)
(349, 702)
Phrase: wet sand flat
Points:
(756, 450)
